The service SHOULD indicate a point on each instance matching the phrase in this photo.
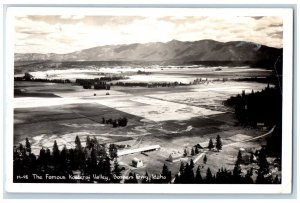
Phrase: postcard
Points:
(149, 100)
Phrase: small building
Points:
(137, 163)
(174, 156)
(198, 146)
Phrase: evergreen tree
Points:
(248, 177)
(146, 178)
(88, 142)
(166, 173)
(116, 171)
(181, 169)
(263, 176)
(42, 157)
(106, 167)
(237, 171)
(205, 159)
(262, 160)
(218, 143)
(134, 179)
(102, 151)
(185, 153)
(27, 146)
(21, 147)
(48, 155)
(198, 178)
(210, 144)
(113, 151)
(239, 157)
(79, 155)
(251, 158)
(223, 176)
(131, 178)
(196, 150)
(64, 155)
(209, 177)
(192, 164)
(192, 152)
(95, 144)
(188, 174)
(55, 150)
(78, 144)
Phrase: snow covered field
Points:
(183, 74)
(212, 94)
(158, 110)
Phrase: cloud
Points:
(257, 17)
(73, 17)
(68, 33)
(277, 34)
(276, 25)
(32, 31)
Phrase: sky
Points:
(68, 33)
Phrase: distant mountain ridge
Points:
(172, 52)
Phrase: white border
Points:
(283, 188)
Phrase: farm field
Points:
(176, 118)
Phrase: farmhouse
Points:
(137, 163)
(137, 150)
(174, 156)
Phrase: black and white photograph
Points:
(154, 96)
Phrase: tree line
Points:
(93, 160)
(149, 84)
(29, 77)
(97, 83)
(258, 107)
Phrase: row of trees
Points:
(120, 122)
(97, 83)
(29, 77)
(149, 84)
(218, 144)
(93, 160)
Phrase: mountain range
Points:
(172, 52)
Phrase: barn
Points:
(137, 150)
